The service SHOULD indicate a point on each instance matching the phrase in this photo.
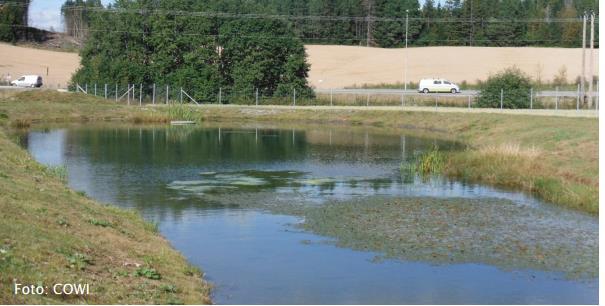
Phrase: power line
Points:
(211, 14)
(304, 38)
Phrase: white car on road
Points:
(437, 85)
(28, 81)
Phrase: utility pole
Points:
(405, 69)
(370, 10)
(582, 88)
(472, 26)
(591, 60)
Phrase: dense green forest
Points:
(13, 20)
(453, 22)
(238, 55)
(382, 23)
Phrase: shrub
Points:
(516, 86)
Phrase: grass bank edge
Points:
(555, 158)
(51, 234)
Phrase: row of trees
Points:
(455, 22)
(382, 23)
(199, 53)
(13, 20)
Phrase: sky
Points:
(46, 14)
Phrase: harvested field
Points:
(341, 66)
(55, 67)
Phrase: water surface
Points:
(211, 190)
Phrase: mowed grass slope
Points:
(51, 234)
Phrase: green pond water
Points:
(316, 215)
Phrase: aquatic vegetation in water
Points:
(491, 231)
(424, 163)
(254, 180)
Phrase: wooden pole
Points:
(591, 61)
(582, 77)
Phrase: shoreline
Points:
(554, 158)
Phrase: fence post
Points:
(294, 96)
(368, 100)
(153, 95)
(501, 98)
(220, 95)
(141, 94)
(596, 102)
(128, 93)
(331, 95)
(95, 89)
(557, 98)
(86, 88)
(105, 91)
(257, 96)
(469, 102)
(181, 99)
(167, 93)
(578, 99)
(116, 92)
(402, 103)
(531, 98)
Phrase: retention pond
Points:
(316, 215)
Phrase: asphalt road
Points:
(412, 92)
(409, 92)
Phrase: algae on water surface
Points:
(492, 231)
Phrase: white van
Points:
(28, 81)
(437, 85)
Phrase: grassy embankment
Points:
(554, 158)
(51, 234)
